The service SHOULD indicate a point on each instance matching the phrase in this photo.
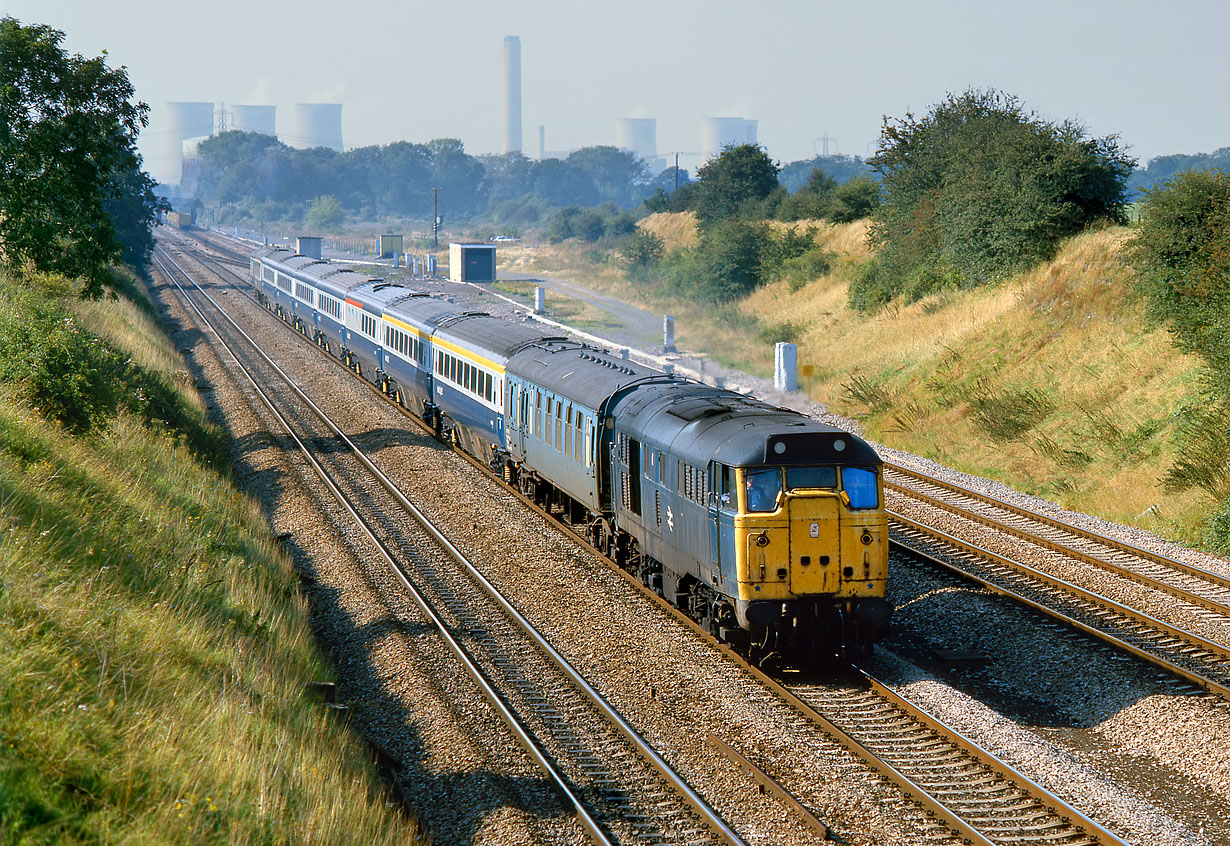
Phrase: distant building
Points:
(471, 262)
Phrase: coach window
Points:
(559, 435)
(577, 437)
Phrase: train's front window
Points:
(810, 478)
(860, 486)
(761, 488)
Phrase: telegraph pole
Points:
(435, 218)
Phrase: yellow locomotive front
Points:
(811, 550)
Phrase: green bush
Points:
(66, 373)
(76, 379)
(979, 189)
(1181, 255)
(1217, 531)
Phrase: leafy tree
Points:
(676, 201)
(325, 213)
(978, 189)
(616, 174)
(68, 160)
(641, 253)
(726, 264)
(1164, 168)
(854, 200)
(734, 184)
(842, 169)
(812, 199)
(1181, 254)
(564, 183)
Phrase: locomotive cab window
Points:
(859, 484)
(761, 488)
(811, 478)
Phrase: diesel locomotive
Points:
(763, 524)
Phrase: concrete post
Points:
(668, 333)
(786, 367)
(540, 300)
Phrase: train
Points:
(764, 525)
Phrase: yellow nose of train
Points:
(812, 544)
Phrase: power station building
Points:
(512, 94)
(262, 119)
(183, 121)
(719, 132)
(313, 125)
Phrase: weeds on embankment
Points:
(154, 645)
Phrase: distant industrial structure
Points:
(313, 125)
(262, 119)
(719, 132)
(512, 94)
(183, 121)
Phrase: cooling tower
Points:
(637, 135)
(314, 125)
(260, 119)
(183, 121)
(512, 94)
(718, 132)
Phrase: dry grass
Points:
(676, 229)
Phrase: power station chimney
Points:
(512, 94)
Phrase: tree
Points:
(1181, 254)
(978, 189)
(854, 200)
(734, 184)
(617, 174)
(325, 213)
(68, 160)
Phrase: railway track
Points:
(966, 790)
(1173, 646)
(616, 785)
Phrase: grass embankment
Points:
(1053, 382)
(154, 647)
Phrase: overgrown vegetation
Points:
(1181, 253)
(979, 189)
(154, 646)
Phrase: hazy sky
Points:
(1155, 74)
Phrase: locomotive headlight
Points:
(762, 539)
(839, 445)
(867, 538)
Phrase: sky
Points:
(1153, 74)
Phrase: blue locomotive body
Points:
(765, 525)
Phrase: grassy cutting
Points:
(154, 645)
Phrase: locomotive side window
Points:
(860, 485)
(722, 485)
